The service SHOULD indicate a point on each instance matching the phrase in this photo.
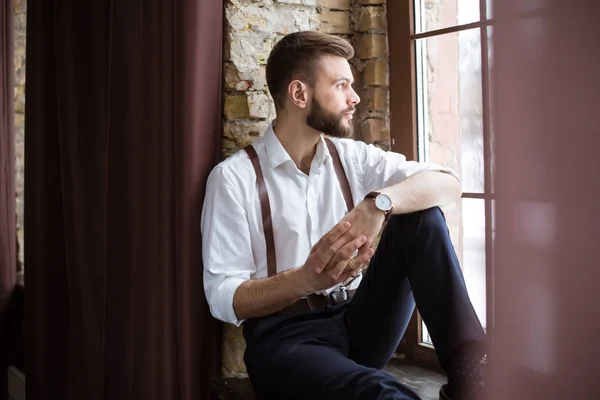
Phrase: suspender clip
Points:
(339, 296)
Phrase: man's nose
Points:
(354, 99)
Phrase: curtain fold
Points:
(123, 125)
(8, 253)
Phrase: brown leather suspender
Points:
(266, 206)
(341, 174)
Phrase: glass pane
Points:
(449, 106)
(491, 98)
(431, 15)
(473, 253)
(466, 223)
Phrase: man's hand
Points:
(332, 254)
(330, 262)
(365, 220)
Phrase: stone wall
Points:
(371, 63)
(20, 23)
(251, 30)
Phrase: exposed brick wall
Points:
(370, 39)
(335, 17)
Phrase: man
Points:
(285, 248)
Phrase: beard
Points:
(330, 123)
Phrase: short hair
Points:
(296, 56)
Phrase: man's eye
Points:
(340, 86)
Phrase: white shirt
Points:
(303, 207)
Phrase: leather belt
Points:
(302, 306)
(316, 302)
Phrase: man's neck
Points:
(299, 140)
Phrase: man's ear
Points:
(299, 93)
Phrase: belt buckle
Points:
(339, 296)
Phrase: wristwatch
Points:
(382, 202)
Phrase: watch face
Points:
(383, 202)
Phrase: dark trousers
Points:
(338, 353)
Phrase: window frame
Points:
(404, 139)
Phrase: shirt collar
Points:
(277, 155)
(322, 152)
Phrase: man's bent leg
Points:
(415, 257)
(311, 363)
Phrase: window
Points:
(440, 60)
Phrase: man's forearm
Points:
(422, 191)
(259, 297)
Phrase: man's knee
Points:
(431, 220)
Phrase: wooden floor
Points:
(424, 382)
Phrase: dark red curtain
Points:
(122, 128)
(8, 254)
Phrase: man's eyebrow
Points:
(343, 79)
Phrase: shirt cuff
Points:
(222, 301)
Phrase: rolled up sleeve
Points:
(226, 246)
(381, 169)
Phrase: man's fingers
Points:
(330, 243)
(342, 273)
(344, 256)
(332, 236)
(347, 251)
(345, 276)
(363, 257)
(327, 253)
